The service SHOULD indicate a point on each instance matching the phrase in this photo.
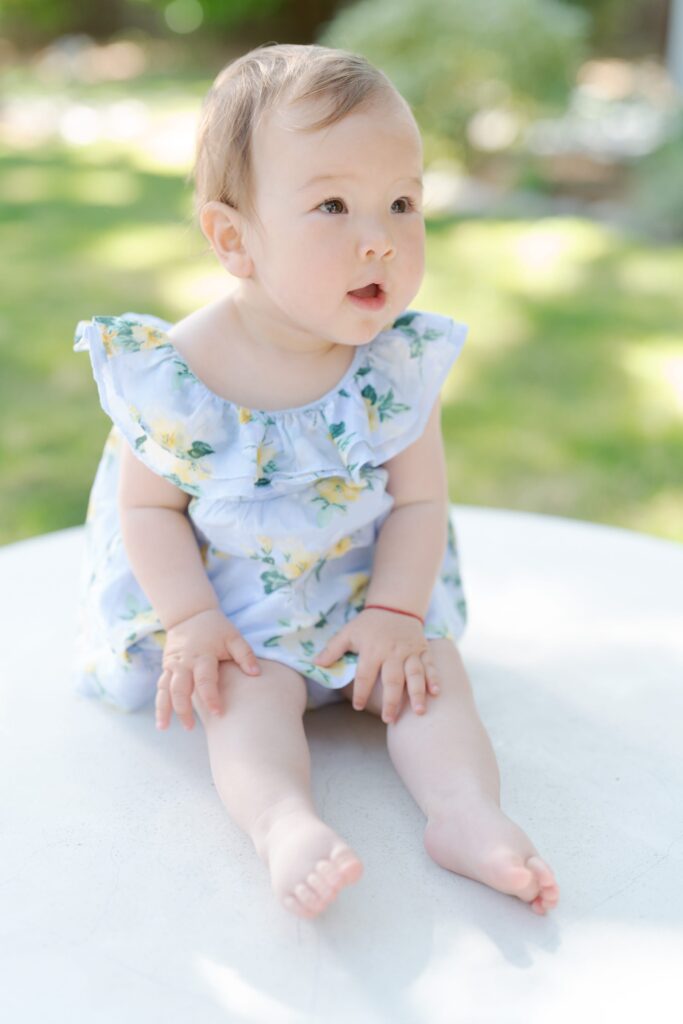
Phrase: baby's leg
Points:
(261, 767)
(446, 760)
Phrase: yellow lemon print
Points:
(189, 472)
(336, 489)
(372, 414)
(169, 434)
(147, 337)
(108, 341)
(337, 668)
(264, 453)
(340, 548)
(358, 582)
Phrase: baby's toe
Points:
(327, 871)
(308, 899)
(548, 891)
(538, 906)
(322, 888)
(347, 864)
(541, 870)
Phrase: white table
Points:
(128, 895)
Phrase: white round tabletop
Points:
(129, 895)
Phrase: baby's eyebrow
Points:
(341, 177)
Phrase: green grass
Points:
(567, 398)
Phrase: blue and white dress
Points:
(285, 506)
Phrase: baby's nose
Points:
(379, 248)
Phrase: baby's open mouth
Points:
(370, 291)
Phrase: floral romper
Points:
(285, 506)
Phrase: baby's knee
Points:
(276, 684)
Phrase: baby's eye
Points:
(331, 202)
(410, 205)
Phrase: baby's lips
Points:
(368, 291)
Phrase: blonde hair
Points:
(255, 83)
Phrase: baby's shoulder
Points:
(210, 341)
(202, 342)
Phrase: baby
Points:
(268, 530)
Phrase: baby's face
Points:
(363, 224)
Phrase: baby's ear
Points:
(222, 227)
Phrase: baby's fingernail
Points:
(419, 707)
(436, 689)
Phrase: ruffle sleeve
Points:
(210, 447)
(406, 368)
(150, 395)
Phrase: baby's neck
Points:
(268, 334)
(247, 371)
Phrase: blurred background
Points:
(554, 183)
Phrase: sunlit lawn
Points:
(567, 398)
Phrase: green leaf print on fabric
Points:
(418, 340)
(388, 407)
(274, 580)
(338, 433)
(199, 449)
(405, 320)
(290, 562)
(128, 336)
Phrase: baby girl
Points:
(268, 530)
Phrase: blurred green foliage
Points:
(47, 18)
(657, 191)
(452, 58)
(625, 27)
(616, 27)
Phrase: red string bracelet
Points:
(385, 608)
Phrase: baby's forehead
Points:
(281, 145)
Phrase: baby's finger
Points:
(415, 681)
(206, 682)
(393, 682)
(431, 674)
(367, 671)
(162, 703)
(243, 655)
(181, 689)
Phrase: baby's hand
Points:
(192, 652)
(396, 646)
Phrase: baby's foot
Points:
(308, 862)
(479, 841)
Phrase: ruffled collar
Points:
(213, 447)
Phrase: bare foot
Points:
(479, 841)
(308, 862)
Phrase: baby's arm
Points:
(160, 544)
(408, 553)
(412, 541)
(165, 559)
